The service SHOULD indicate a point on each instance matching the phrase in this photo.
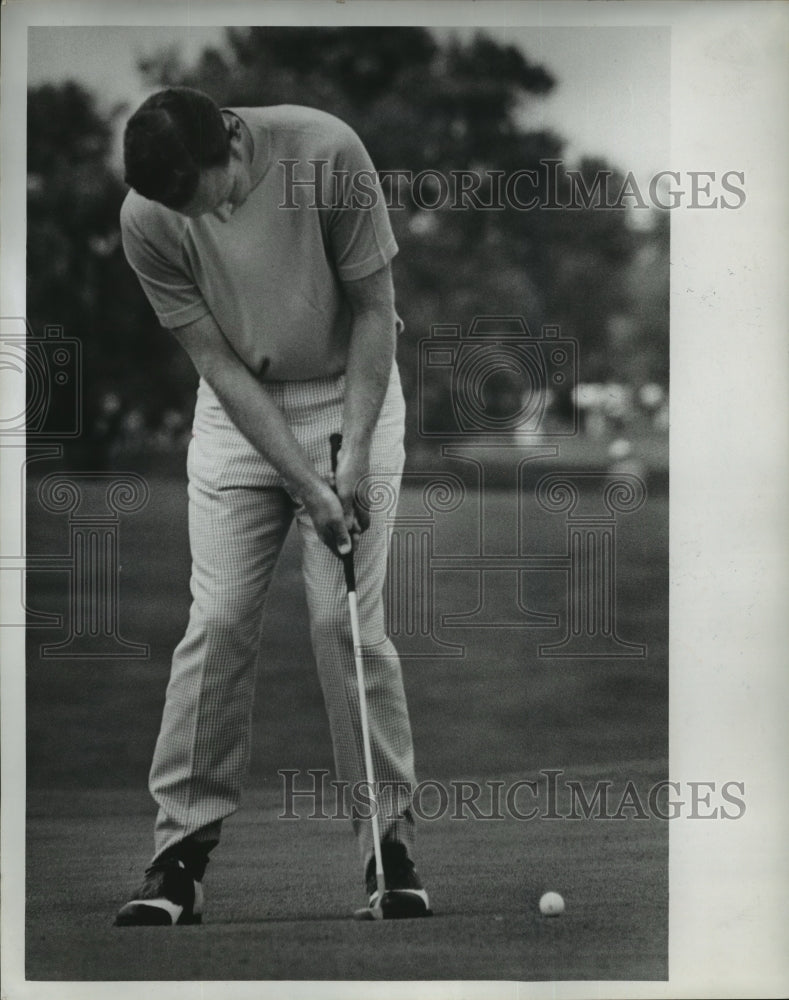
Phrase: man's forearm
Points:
(251, 408)
(369, 368)
(249, 405)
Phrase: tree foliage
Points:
(77, 275)
(420, 103)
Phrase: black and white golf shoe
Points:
(168, 895)
(405, 897)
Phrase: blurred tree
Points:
(646, 353)
(420, 104)
(77, 276)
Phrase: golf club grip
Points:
(335, 442)
(350, 573)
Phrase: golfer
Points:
(283, 299)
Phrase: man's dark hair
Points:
(169, 139)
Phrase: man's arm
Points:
(251, 408)
(367, 374)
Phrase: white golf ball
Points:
(551, 904)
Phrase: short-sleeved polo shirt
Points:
(271, 275)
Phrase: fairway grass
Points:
(279, 898)
(280, 894)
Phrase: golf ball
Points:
(551, 904)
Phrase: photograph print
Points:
(347, 503)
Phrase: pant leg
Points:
(390, 730)
(202, 753)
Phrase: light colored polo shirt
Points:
(271, 274)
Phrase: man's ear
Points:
(236, 142)
(234, 131)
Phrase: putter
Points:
(367, 912)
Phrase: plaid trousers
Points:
(239, 515)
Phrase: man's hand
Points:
(352, 465)
(326, 513)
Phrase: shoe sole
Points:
(142, 915)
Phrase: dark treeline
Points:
(420, 104)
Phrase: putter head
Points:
(394, 906)
(375, 908)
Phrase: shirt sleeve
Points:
(153, 252)
(358, 228)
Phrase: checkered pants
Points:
(239, 515)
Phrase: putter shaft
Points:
(353, 612)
